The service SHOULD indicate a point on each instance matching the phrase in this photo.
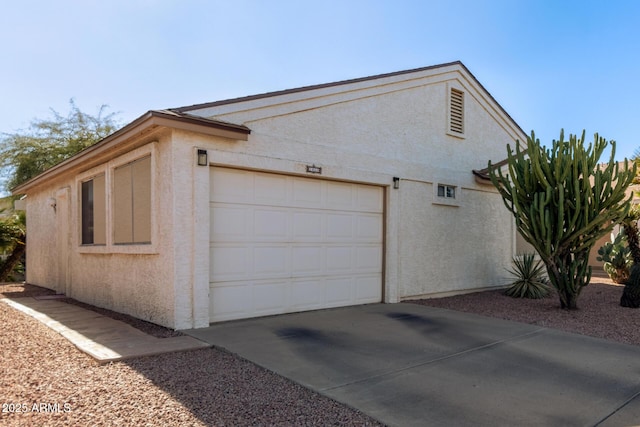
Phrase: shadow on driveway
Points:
(406, 364)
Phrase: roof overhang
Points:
(482, 175)
(145, 124)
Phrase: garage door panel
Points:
(307, 226)
(340, 227)
(307, 294)
(229, 224)
(369, 199)
(270, 261)
(231, 185)
(367, 289)
(230, 263)
(368, 258)
(271, 224)
(283, 244)
(271, 189)
(340, 259)
(339, 291)
(368, 228)
(340, 196)
(230, 302)
(307, 193)
(307, 260)
(268, 297)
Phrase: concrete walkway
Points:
(410, 365)
(101, 337)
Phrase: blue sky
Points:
(550, 64)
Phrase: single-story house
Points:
(345, 193)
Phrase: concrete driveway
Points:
(410, 365)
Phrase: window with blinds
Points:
(132, 202)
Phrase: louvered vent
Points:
(456, 114)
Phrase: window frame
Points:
(445, 200)
(108, 169)
(92, 210)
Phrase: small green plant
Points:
(530, 279)
(616, 257)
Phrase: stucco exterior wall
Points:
(132, 279)
(370, 136)
(366, 132)
(448, 249)
(42, 259)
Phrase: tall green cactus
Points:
(563, 201)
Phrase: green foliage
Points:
(631, 293)
(530, 279)
(12, 231)
(13, 242)
(563, 201)
(630, 226)
(616, 257)
(46, 143)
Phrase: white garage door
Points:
(283, 244)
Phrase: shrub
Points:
(530, 278)
(616, 257)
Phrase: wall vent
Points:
(456, 111)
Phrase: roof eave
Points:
(312, 87)
(482, 175)
(151, 120)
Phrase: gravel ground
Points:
(599, 313)
(53, 384)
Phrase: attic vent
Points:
(456, 111)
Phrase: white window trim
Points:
(447, 201)
(107, 169)
(457, 86)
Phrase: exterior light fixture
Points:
(202, 158)
(396, 182)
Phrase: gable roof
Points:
(342, 83)
(481, 175)
(181, 118)
(151, 120)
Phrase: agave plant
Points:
(530, 280)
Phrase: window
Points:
(116, 205)
(93, 211)
(446, 191)
(456, 112)
(132, 202)
(447, 195)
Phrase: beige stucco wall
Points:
(370, 135)
(367, 132)
(447, 249)
(152, 282)
(42, 260)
